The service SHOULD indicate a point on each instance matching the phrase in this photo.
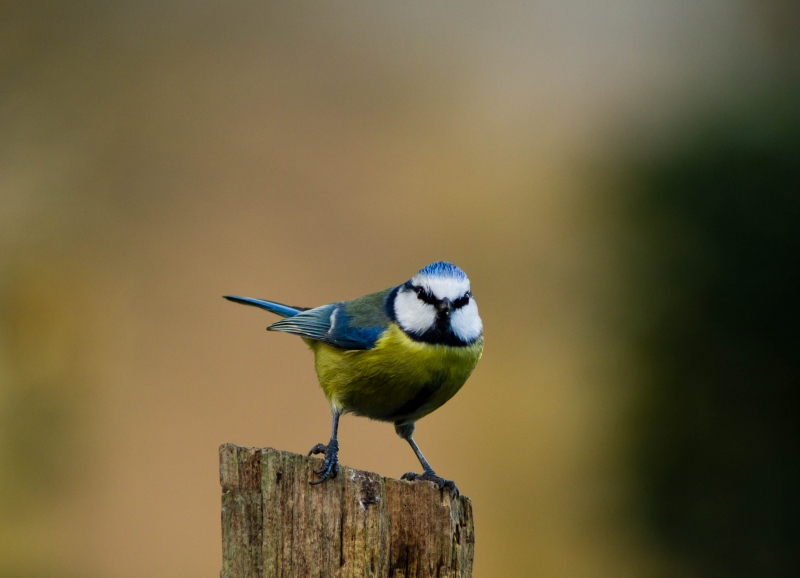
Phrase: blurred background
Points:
(621, 181)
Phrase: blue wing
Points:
(330, 324)
(271, 306)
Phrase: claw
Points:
(318, 449)
(329, 470)
(430, 476)
(330, 466)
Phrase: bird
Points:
(393, 356)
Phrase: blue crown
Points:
(443, 269)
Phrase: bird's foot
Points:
(430, 476)
(330, 467)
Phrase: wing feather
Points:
(332, 325)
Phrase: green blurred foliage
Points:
(716, 274)
(44, 404)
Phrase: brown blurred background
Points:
(619, 179)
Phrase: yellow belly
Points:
(398, 380)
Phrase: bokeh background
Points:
(621, 181)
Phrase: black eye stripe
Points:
(425, 296)
(461, 301)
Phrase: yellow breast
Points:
(399, 380)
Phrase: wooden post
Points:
(275, 524)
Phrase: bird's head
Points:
(437, 306)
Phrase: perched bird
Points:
(395, 355)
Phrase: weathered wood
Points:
(276, 525)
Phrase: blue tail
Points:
(272, 307)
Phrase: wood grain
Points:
(276, 525)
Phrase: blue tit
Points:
(394, 356)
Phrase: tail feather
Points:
(271, 306)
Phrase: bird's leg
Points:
(330, 467)
(406, 431)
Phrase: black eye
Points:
(461, 301)
(425, 296)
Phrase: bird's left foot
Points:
(330, 467)
(430, 476)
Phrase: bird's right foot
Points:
(330, 467)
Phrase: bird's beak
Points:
(445, 306)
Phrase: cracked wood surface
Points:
(275, 524)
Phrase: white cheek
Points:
(466, 323)
(412, 314)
